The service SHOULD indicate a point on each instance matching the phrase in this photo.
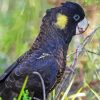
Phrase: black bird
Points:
(47, 55)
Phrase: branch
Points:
(68, 76)
(43, 85)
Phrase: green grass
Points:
(22, 90)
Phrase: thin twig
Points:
(43, 85)
(92, 52)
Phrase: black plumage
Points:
(46, 56)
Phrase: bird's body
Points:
(46, 56)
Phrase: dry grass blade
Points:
(68, 89)
(73, 97)
(78, 94)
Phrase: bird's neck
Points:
(52, 40)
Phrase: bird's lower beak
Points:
(82, 26)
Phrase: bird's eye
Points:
(76, 17)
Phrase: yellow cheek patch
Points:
(62, 21)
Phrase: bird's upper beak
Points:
(82, 26)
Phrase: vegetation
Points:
(19, 26)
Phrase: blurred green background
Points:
(19, 25)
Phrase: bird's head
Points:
(69, 18)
